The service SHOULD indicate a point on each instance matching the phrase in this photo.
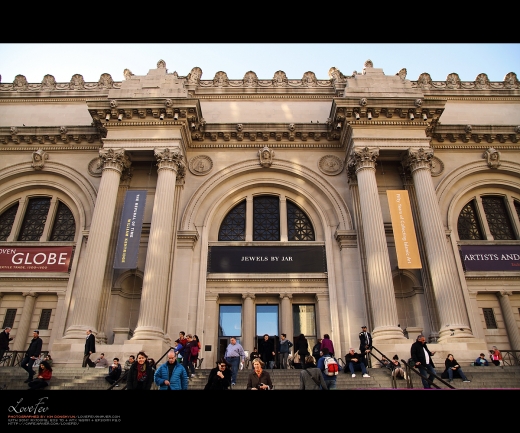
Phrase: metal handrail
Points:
(416, 371)
(510, 357)
(394, 379)
(13, 358)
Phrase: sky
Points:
(91, 60)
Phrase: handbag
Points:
(314, 379)
(296, 358)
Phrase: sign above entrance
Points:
(490, 257)
(268, 259)
(35, 259)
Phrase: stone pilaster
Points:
(88, 294)
(248, 328)
(150, 325)
(446, 285)
(509, 319)
(287, 317)
(380, 283)
(23, 331)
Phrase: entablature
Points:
(51, 135)
(475, 134)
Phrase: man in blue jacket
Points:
(171, 375)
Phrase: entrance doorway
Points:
(267, 323)
(229, 325)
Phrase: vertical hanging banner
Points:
(130, 230)
(404, 231)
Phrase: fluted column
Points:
(248, 329)
(287, 317)
(509, 319)
(151, 322)
(22, 333)
(446, 285)
(380, 283)
(87, 296)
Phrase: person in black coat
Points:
(140, 375)
(418, 353)
(219, 377)
(32, 354)
(365, 344)
(90, 348)
(302, 347)
(267, 351)
(4, 341)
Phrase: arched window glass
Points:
(34, 219)
(517, 207)
(299, 228)
(497, 217)
(266, 218)
(233, 228)
(467, 224)
(6, 222)
(64, 228)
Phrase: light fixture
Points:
(357, 115)
(411, 116)
(193, 125)
(120, 117)
(369, 115)
(176, 116)
(107, 117)
(424, 117)
(161, 117)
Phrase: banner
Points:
(404, 231)
(490, 257)
(130, 230)
(270, 259)
(35, 259)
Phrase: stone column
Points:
(22, 333)
(248, 328)
(88, 294)
(380, 283)
(446, 285)
(509, 319)
(151, 323)
(287, 319)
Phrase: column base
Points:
(146, 333)
(153, 348)
(385, 333)
(79, 332)
(454, 333)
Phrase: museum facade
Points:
(243, 207)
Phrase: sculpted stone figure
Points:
(424, 80)
(453, 81)
(336, 76)
(194, 75)
(161, 64)
(279, 79)
(127, 73)
(48, 82)
(38, 159)
(402, 73)
(250, 79)
(266, 156)
(493, 157)
(482, 81)
(309, 79)
(221, 79)
(20, 82)
(510, 80)
(105, 81)
(77, 82)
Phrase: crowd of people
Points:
(140, 372)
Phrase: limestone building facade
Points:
(238, 207)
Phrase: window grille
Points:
(34, 219)
(10, 315)
(489, 317)
(6, 222)
(299, 227)
(497, 217)
(467, 225)
(64, 228)
(266, 218)
(45, 318)
(233, 228)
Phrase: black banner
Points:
(490, 257)
(130, 230)
(272, 259)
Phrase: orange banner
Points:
(404, 231)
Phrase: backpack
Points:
(194, 351)
(331, 366)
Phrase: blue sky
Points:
(91, 60)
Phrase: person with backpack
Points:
(190, 370)
(194, 355)
(329, 368)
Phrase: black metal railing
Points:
(510, 357)
(13, 358)
(383, 365)
(415, 370)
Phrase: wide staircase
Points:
(78, 378)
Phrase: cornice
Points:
(265, 280)
(458, 135)
(50, 147)
(49, 100)
(49, 135)
(257, 144)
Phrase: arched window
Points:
(495, 211)
(33, 221)
(266, 222)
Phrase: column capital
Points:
(248, 295)
(34, 295)
(170, 159)
(417, 159)
(115, 159)
(361, 158)
(286, 295)
(504, 293)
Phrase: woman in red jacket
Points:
(44, 376)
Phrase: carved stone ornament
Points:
(330, 165)
(510, 80)
(291, 127)
(220, 79)
(194, 75)
(453, 81)
(309, 79)
(493, 157)
(418, 102)
(266, 156)
(402, 74)
(95, 167)
(105, 81)
(168, 103)
(425, 81)
(517, 129)
(113, 103)
(336, 76)
(279, 79)
(200, 165)
(20, 82)
(369, 64)
(363, 102)
(468, 129)
(38, 159)
(482, 81)
(419, 159)
(77, 82)
(14, 130)
(63, 130)
(240, 127)
(437, 166)
(127, 73)
(115, 159)
(161, 64)
(48, 82)
(250, 79)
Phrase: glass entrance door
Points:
(267, 323)
(229, 325)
